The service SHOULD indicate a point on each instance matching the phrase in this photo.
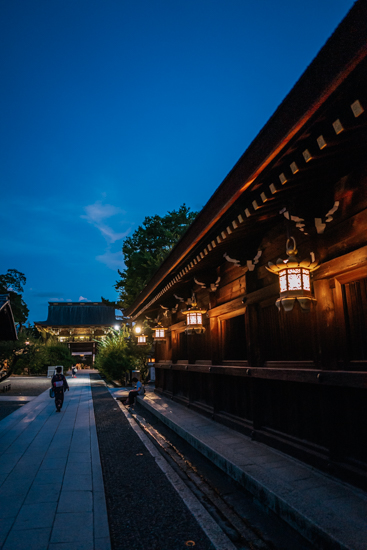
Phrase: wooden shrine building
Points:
(80, 325)
(278, 348)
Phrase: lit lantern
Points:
(159, 333)
(142, 339)
(194, 319)
(294, 279)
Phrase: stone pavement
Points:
(329, 513)
(51, 486)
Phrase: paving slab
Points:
(51, 486)
(331, 514)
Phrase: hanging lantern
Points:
(142, 339)
(159, 333)
(294, 279)
(194, 319)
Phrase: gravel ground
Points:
(144, 510)
(28, 386)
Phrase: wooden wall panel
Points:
(286, 336)
(355, 312)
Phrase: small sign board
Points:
(52, 370)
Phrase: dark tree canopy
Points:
(146, 249)
(12, 283)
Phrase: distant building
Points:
(79, 324)
(8, 329)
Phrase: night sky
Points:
(113, 110)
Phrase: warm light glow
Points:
(194, 318)
(283, 281)
(159, 333)
(306, 279)
(116, 327)
(137, 329)
(294, 279)
(142, 339)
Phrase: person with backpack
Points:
(59, 385)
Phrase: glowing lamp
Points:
(159, 333)
(142, 340)
(116, 327)
(194, 319)
(294, 279)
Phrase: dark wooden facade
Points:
(295, 380)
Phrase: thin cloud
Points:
(110, 235)
(113, 260)
(81, 299)
(97, 212)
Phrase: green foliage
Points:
(12, 283)
(146, 249)
(118, 354)
(29, 355)
(58, 354)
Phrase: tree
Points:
(146, 249)
(116, 355)
(12, 283)
(29, 354)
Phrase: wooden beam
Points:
(348, 262)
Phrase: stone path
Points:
(51, 486)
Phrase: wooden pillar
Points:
(325, 325)
(254, 355)
(174, 344)
(191, 348)
(215, 341)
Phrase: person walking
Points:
(60, 385)
(73, 371)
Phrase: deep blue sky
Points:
(112, 110)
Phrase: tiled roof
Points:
(81, 314)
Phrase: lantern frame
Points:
(159, 333)
(142, 339)
(294, 279)
(194, 319)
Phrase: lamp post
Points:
(294, 279)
